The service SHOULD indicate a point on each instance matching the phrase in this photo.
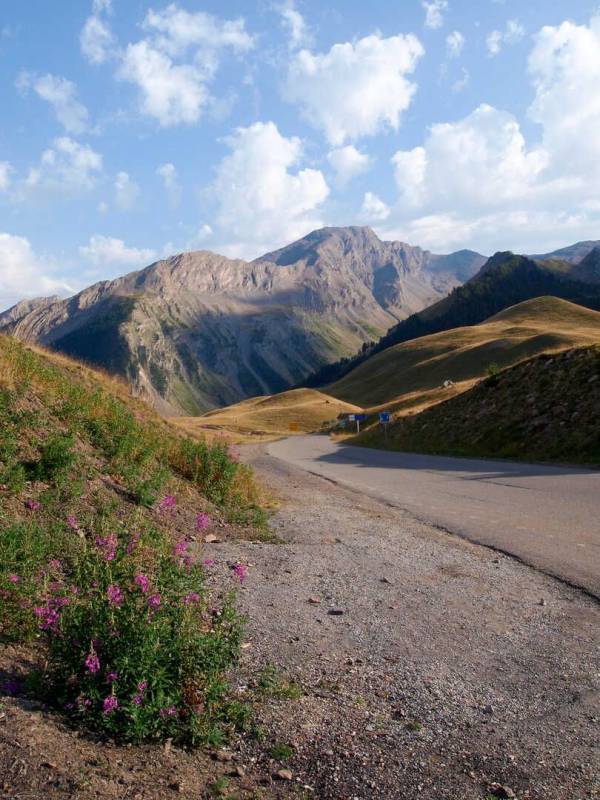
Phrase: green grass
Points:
(96, 574)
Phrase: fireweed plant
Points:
(132, 644)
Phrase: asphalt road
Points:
(549, 517)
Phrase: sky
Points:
(133, 130)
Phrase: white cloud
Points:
(177, 30)
(168, 173)
(22, 274)
(262, 202)
(61, 94)
(478, 182)
(126, 191)
(564, 66)
(103, 251)
(462, 82)
(348, 162)
(355, 90)
(173, 92)
(373, 208)
(512, 33)
(295, 24)
(478, 162)
(434, 12)
(66, 164)
(102, 6)
(96, 40)
(455, 42)
(5, 170)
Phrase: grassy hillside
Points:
(299, 410)
(409, 375)
(100, 503)
(544, 409)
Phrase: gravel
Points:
(431, 667)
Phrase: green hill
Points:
(544, 409)
(411, 374)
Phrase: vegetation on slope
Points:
(411, 374)
(100, 504)
(505, 280)
(269, 416)
(544, 409)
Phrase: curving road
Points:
(549, 517)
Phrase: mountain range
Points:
(198, 330)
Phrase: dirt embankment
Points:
(544, 409)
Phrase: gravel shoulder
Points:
(432, 667)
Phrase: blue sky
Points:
(133, 130)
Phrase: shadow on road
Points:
(484, 469)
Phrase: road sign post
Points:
(384, 419)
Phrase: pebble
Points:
(284, 774)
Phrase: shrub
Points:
(135, 649)
(57, 458)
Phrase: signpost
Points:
(358, 418)
(384, 419)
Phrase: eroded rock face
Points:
(199, 330)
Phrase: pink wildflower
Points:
(138, 699)
(191, 597)
(143, 582)
(142, 686)
(168, 503)
(55, 564)
(115, 595)
(133, 543)
(33, 505)
(202, 522)
(92, 663)
(72, 522)
(241, 571)
(108, 546)
(171, 711)
(209, 562)
(154, 601)
(112, 677)
(180, 549)
(14, 578)
(110, 704)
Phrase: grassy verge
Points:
(99, 500)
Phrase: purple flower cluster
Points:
(191, 597)
(49, 614)
(170, 711)
(154, 602)
(138, 698)
(110, 704)
(202, 522)
(168, 503)
(33, 505)
(115, 595)
(133, 543)
(72, 522)
(143, 582)
(240, 571)
(92, 662)
(108, 546)
(180, 549)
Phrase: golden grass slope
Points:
(410, 376)
(270, 416)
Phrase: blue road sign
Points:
(384, 417)
(360, 417)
